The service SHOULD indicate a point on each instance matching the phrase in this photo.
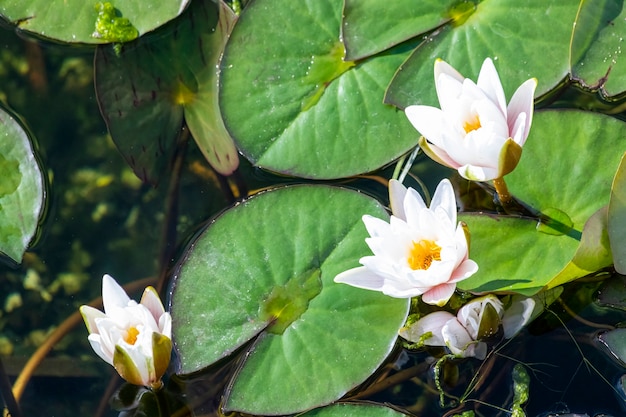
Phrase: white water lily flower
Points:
(463, 334)
(475, 132)
(134, 338)
(421, 251)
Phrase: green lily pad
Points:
(370, 27)
(264, 270)
(612, 293)
(22, 188)
(597, 43)
(294, 106)
(351, 410)
(75, 20)
(496, 29)
(552, 178)
(617, 218)
(160, 82)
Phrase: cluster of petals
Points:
(475, 131)
(133, 337)
(461, 334)
(421, 251)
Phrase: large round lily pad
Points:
(352, 410)
(294, 106)
(22, 188)
(264, 270)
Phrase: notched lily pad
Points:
(264, 270)
(296, 106)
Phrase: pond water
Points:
(102, 219)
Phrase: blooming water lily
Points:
(465, 334)
(133, 337)
(475, 132)
(421, 251)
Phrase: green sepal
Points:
(126, 367)
(490, 323)
(431, 154)
(510, 154)
(162, 352)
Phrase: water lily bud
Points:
(133, 337)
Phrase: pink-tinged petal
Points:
(90, 315)
(431, 323)
(522, 102)
(445, 198)
(397, 193)
(428, 121)
(113, 295)
(456, 337)
(437, 154)
(361, 277)
(150, 299)
(489, 83)
(464, 271)
(439, 295)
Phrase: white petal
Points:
(113, 295)
(428, 121)
(445, 198)
(397, 193)
(165, 325)
(456, 337)
(432, 323)
(150, 299)
(522, 102)
(361, 277)
(442, 67)
(477, 173)
(439, 295)
(517, 316)
(90, 315)
(489, 82)
(96, 345)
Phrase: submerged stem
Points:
(503, 191)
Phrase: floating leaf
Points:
(265, 269)
(553, 178)
(22, 188)
(294, 106)
(496, 29)
(597, 41)
(160, 80)
(351, 410)
(370, 27)
(75, 20)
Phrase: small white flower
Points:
(480, 318)
(134, 338)
(475, 132)
(421, 251)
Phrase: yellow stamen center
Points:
(472, 124)
(423, 253)
(131, 335)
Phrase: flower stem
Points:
(503, 191)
